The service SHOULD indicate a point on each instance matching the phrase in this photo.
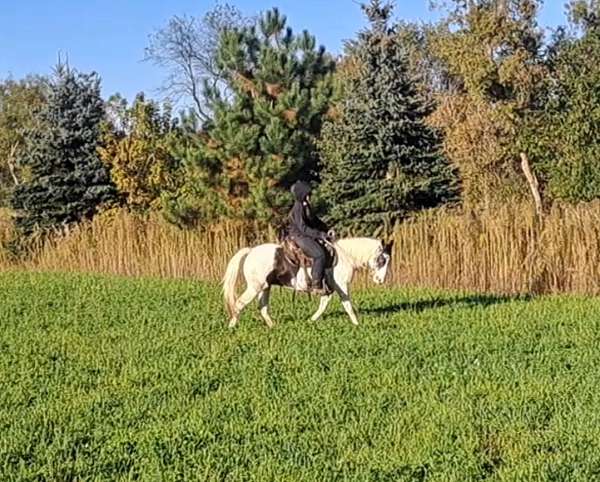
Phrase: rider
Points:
(306, 229)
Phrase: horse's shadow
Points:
(468, 301)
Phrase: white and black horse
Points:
(262, 268)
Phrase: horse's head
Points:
(380, 261)
(368, 253)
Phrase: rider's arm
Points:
(318, 224)
(300, 223)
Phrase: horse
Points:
(266, 265)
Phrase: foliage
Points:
(187, 48)
(492, 50)
(567, 140)
(19, 102)
(417, 40)
(114, 379)
(264, 133)
(67, 179)
(197, 200)
(585, 13)
(136, 147)
(381, 161)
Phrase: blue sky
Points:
(109, 36)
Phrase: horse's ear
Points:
(387, 247)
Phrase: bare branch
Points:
(187, 49)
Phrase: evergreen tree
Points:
(264, 133)
(381, 160)
(67, 181)
(197, 200)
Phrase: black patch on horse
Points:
(283, 271)
(289, 259)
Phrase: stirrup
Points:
(321, 290)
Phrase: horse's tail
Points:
(230, 278)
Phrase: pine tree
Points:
(263, 137)
(381, 160)
(197, 201)
(67, 181)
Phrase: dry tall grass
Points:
(6, 232)
(128, 245)
(505, 251)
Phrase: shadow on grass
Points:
(469, 301)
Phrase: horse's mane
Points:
(358, 250)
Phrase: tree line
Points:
(410, 117)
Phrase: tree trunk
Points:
(533, 184)
(11, 163)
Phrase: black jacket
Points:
(303, 222)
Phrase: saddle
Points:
(289, 259)
(297, 257)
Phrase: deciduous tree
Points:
(186, 48)
(493, 51)
(137, 143)
(19, 103)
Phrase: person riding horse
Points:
(309, 232)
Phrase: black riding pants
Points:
(313, 249)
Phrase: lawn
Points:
(107, 378)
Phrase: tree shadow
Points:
(468, 301)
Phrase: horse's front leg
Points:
(322, 307)
(343, 289)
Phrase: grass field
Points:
(110, 378)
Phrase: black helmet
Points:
(300, 190)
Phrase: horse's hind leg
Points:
(246, 297)
(263, 302)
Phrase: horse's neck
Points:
(357, 251)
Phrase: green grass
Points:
(109, 378)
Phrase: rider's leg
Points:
(314, 250)
(318, 270)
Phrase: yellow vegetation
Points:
(501, 251)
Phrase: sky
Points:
(109, 36)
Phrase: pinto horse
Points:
(266, 265)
